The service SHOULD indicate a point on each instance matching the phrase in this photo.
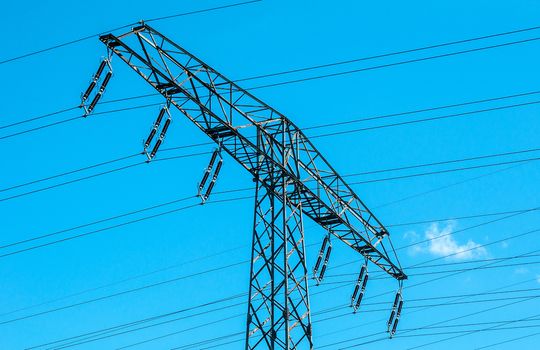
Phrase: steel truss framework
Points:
(292, 179)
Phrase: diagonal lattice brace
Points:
(232, 117)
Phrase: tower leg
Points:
(278, 306)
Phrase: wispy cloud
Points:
(442, 243)
(521, 271)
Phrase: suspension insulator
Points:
(212, 160)
(209, 190)
(391, 319)
(149, 139)
(362, 272)
(398, 315)
(358, 283)
(325, 264)
(160, 117)
(218, 169)
(366, 277)
(93, 104)
(95, 79)
(317, 265)
(321, 275)
(355, 293)
(105, 82)
(214, 179)
(165, 128)
(204, 179)
(156, 147)
(88, 91)
(321, 254)
(394, 307)
(396, 300)
(327, 256)
(100, 70)
(155, 128)
(359, 301)
(208, 170)
(362, 291)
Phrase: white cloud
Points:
(538, 278)
(521, 271)
(442, 243)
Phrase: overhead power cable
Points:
(67, 43)
(297, 70)
(411, 312)
(453, 274)
(153, 216)
(129, 291)
(175, 279)
(386, 338)
(190, 206)
(322, 135)
(508, 341)
(394, 53)
(312, 127)
(294, 81)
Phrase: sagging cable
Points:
(324, 252)
(106, 62)
(164, 110)
(360, 288)
(205, 194)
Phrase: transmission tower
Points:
(292, 179)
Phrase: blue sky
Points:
(268, 37)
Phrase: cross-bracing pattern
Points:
(278, 308)
(292, 178)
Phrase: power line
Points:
(452, 274)
(429, 47)
(190, 206)
(260, 87)
(234, 316)
(67, 43)
(68, 120)
(331, 75)
(124, 280)
(129, 291)
(417, 310)
(508, 341)
(423, 120)
(430, 272)
(466, 333)
(316, 136)
(137, 322)
(445, 171)
(439, 188)
(116, 226)
(385, 338)
(313, 127)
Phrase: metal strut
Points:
(106, 62)
(292, 179)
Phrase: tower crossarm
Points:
(233, 118)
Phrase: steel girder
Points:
(278, 308)
(292, 177)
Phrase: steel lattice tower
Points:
(292, 180)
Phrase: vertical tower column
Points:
(278, 308)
